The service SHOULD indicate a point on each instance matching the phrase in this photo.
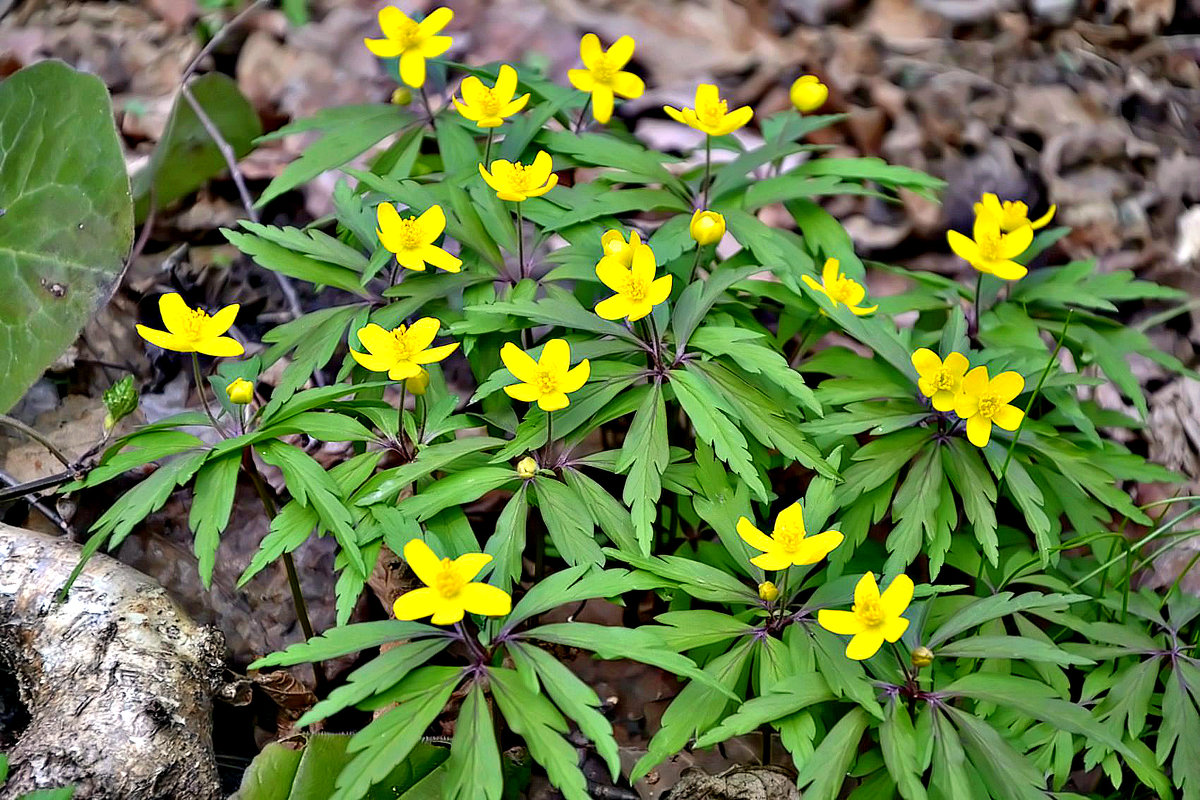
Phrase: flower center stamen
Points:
(603, 72)
(448, 583)
(403, 351)
(409, 34)
(635, 290)
(943, 379)
(870, 612)
(409, 234)
(989, 404)
(193, 323)
(789, 540)
(519, 179)
(989, 245)
(712, 114)
(546, 383)
(489, 104)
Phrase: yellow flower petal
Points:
(383, 48)
(845, 623)
(866, 590)
(435, 21)
(615, 307)
(435, 354)
(628, 85)
(506, 84)
(468, 565)
(602, 103)
(1007, 385)
(581, 79)
(403, 370)
(412, 68)
(519, 363)
(942, 400)
(897, 596)
(372, 362)
(422, 333)
(524, 392)
(864, 645)
(435, 46)
(775, 560)
(553, 402)
(417, 603)
(432, 223)
(441, 259)
(449, 612)
(422, 561)
(1044, 219)
(753, 536)
(219, 322)
(926, 361)
(815, 548)
(963, 247)
(791, 518)
(1009, 417)
(1017, 242)
(1007, 270)
(620, 52)
(957, 363)
(660, 290)
(555, 357)
(575, 378)
(979, 430)
(975, 381)
(163, 339)
(893, 629)
(220, 346)
(175, 313)
(590, 50)
(612, 273)
(482, 598)
(539, 171)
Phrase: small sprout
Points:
(121, 400)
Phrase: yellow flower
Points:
(401, 351)
(488, 108)
(549, 379)
(418, 383)
(637, 290)
(840, 289)
(412, 41)
(767, 592)
(982, 402)
(808, 93)
(191, 330)
(992, 250)
(939, 380)
(711, 113)
(448, 593)
(707, 227)
(789, 543)
(527, 467)
(412, 239)
(615, 246)
(874, 619)
(1011, 215)
(240, 392)
(603, 75)
(518, 182)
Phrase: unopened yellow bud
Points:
(808, 93)
(768, 591)
(402, 96)
(707, 227)
(418, 383)
(240, 391)
(527, 467)
(922, 657)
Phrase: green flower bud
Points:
(121, 400)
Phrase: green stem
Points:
(203, 398)
(487, 148)
(520, 243)
(707, 169)
(549, 437)
(782, 604)
(656, 343)
(264, 496)
(1033, 397)
(582, 112)
(428, 108)
(902, 662)
(400, 417)
(695, 262)
(978, 292)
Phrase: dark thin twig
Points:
(35, 502)
(17, 425)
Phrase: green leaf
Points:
(695, 708)
(570, 530)
(645, 454)
(826, 770)
(275, 257)
(474, 766)
(702, 406)
(786, 697)
(506, 545)
(454, 490)
(577, 700)
(349, 131)
(696, 300)
(311, 242)
(699, 627)
(1010, 647)
(606, 510)
(635, 644)
(574, 584)
(270, 774)
(186, 155)
(998, 605)
(346, 639)
(533, 717)
(67, 221)
(386, 486)
(387, 741)
(1008, 774)
(607, 151)
(952, 777)
(311, 485)
(212, 503)
(377, 675)
(755, 359)
(898, 744)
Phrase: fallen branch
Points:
(117, 681)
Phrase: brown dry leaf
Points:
(736, 783)
(1143, 17)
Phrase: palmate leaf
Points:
(977, 612)
(576, 699)
(704, 409)
(473, 770)
(1180, 729)
(385, 486)
(786, 697)
(68, 218)
(536, 719)
(346, 639)
(645, 454)
(575, 584)
(898, 743)
(212, 503)
(507, 543)
(281, 259)
(826, 770)
(569, 529)
(388, 740)
(684, 630)
(1006, 773)
(698, 579)
(349, 131)
(695, 708)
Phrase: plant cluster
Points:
(655, 368)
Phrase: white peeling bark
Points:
(118, 682)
